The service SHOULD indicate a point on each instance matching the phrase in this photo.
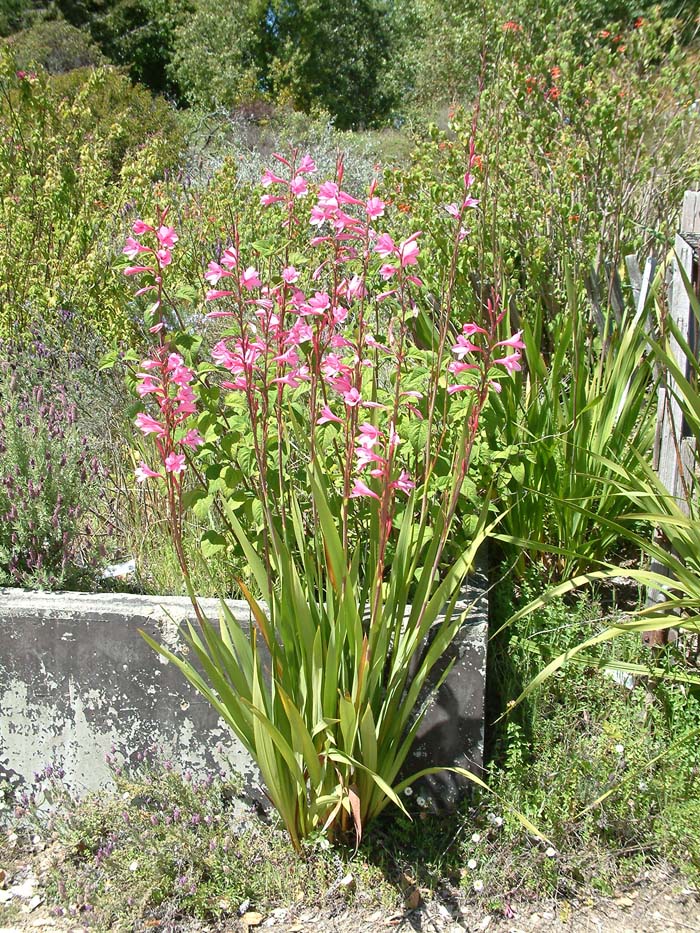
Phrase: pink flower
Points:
(409, 250)
(132, 248)
(139, 228)
(375, 208)
(387, 271)
(250, 279)
(470, 202)
(470, 329)
(458, 388)
(149, 425)
(214, 293)
(137, 270)
(352, 397)
(192, 439)
(267, 200)
(369, 435)
(404, 483)
(175, 463)
(356, 288)
(307, 165)
(511, 363)
(514, 341)
(452, 209)
(298, 186)
(463, 346)
(385, 246)
(167, 237)
(290, 275)
(164, 257)
(214, 273)
(144, 472)
(360, 489)
(327, 416)
(269, 178)
(229, 258)
(146, 387)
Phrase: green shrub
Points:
(77, 152)
(54, 45)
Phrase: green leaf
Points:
(213, 542)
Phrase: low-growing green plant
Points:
(164, 844)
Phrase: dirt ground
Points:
(658, 902)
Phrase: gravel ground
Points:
(658, 902)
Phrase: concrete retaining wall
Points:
(76, 680)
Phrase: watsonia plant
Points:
(351, 573)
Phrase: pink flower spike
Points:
(360, 489)
(167, 237)
(250, 279)
(192, 439)
(327, 416)
(144, 472)
(139, 228)
(149, 425)
(175, 463)
(307, 165)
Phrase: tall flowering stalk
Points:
(355, 599)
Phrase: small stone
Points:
(624, 901)
(252, 918)
(375, 917)
(486, 922)
(32, 904)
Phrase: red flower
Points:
(511, 26)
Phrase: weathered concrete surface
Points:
(76, 679)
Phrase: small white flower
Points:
(642, 785)
(133, 866)
(478, 886)
(619, 749)
(476, 838)
(408, 792)
(471, 864)
(421, 801)
(551, 853)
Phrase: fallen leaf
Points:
(252, 918)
